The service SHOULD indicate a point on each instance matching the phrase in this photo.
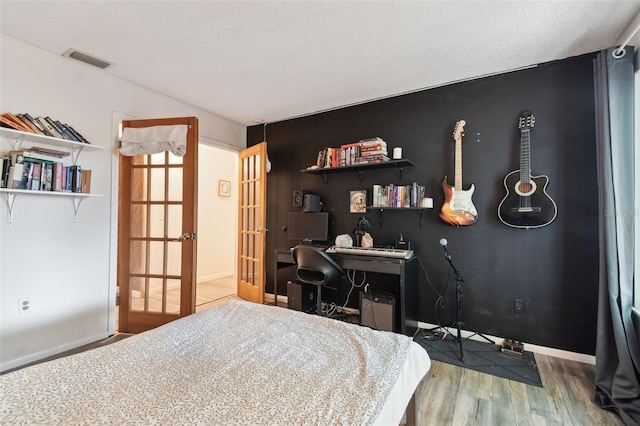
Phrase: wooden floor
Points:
(451, 395)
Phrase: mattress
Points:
(237, 363)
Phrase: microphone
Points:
(443, 243)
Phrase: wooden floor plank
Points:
(451, 395)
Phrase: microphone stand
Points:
(459, 325)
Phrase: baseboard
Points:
(558, 353)
(9, 365)
(214, 277)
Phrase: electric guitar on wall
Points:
(458, 209)
(527, 204)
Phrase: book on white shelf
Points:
(22, 156)
(86, 181)
(49, 128)
(29, 124)
(5, 122)
(15, 180)
(4, 178)
(56, 153)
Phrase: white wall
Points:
(217, 223)
(66, 270)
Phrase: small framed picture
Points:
(358, 201)
(224, 188)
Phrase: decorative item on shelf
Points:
(224, 188)
(397, 153)
(358, 201)
(363, 224)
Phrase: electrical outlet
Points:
(24, 306)
(518, 306)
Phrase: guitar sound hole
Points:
(524, 187)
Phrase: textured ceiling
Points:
(252, 60)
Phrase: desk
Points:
(405, 269)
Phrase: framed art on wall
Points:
(358, 201)
(224, 188)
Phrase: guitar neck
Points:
(458, 177)
(525, 155)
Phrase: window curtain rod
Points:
(627, 35)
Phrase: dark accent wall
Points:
(554, 269)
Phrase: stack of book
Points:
(41, 169)
(365, 151)
(372, 150)
(398, 195)
(41, 126)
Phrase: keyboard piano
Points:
(372, 251)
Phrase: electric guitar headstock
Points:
(526, 121)
(458, 131)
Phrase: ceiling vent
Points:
(87, 59)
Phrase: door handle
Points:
(186, 236)
(263, 230)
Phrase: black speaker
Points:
(378, 310)
(301, 296)
(311, 203)
(296, 200)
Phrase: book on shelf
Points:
(76, 179)
(28, 124)
(376, 139)
(36, 124)
(86, 181)
(77, 136)
(54, 153)
(48, 129)
(16, 120)
(15, 180)
(20, 156)
(65, 132)
(6, 166)
(53, 128)
(5, 122)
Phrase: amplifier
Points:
(378, 310)
(301, 296)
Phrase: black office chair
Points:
(316, 267)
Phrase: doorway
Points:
(217, 223)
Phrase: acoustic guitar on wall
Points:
(527, 204)
(458, 208)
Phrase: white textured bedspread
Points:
(238, 363)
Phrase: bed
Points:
(237, 363)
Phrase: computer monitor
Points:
(308, 227)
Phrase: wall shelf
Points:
(20, 137)
(76, 148)
(380, 210)
(360, 168)
(12, 194)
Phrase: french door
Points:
(157, 229)
(252, 190)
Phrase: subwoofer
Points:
(301, 296)
(378, 310)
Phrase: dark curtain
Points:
(617, 346)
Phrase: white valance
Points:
(152, 140)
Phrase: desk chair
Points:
(316, 267)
